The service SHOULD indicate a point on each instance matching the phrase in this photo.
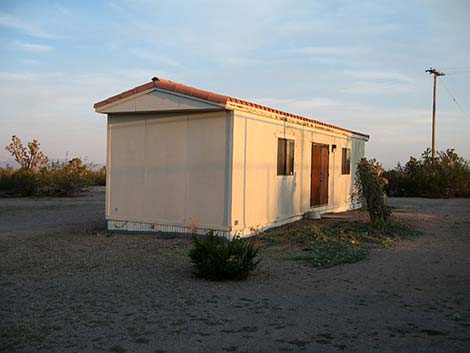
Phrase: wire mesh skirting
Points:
(128, 226)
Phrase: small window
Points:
(285, 157)
(346, 161)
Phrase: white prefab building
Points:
(180, 159)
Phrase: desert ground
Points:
(66, 285)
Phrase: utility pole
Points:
(436, 74)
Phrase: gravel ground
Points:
(82, 291)
(28, 216)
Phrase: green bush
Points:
(369, 189)
(447, 176)
(216, 258)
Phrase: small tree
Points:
(29, 158)
(369, 189)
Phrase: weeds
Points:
(337, 243)
(324, 255)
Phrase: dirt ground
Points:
(46, 215)
(65, 286)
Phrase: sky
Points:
(357, 64)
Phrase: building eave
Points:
(219, 100)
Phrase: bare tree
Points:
(29, 158)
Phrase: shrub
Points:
(369, 189)
(37, 176)
(64, 179)
(24, 182)
(216, 258)
(448, 175)
(96, 177)
(6, 174)
(21, 182)
(57, 179)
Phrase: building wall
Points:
(261, 198)
(169, 169)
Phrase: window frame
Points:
(287, 166)
(346, 161)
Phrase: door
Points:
(319, 174)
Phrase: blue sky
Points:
(357, 64)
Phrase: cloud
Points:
(12, 22)
(396, 132)
(154, 56)
(326, 55)
(44, 105)
(378, 75)
(33, 48)
(378, 82)
(319, 50)
(302, 105)
(63, 10)
(6, 76)
(356, 65)
(362, 87)
(351, 114)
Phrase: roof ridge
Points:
(295, 116)
(172, 86)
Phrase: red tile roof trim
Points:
(211, 97)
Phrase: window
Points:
(346, 161)
(285, 157)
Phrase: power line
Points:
(453, 98)
(453, 68)
(457, 72)
(457, 69)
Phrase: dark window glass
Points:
(346, 161)
(285, 156)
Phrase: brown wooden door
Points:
(319, 174)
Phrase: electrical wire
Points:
(457, 70)
(457, 73)
(453, 98)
